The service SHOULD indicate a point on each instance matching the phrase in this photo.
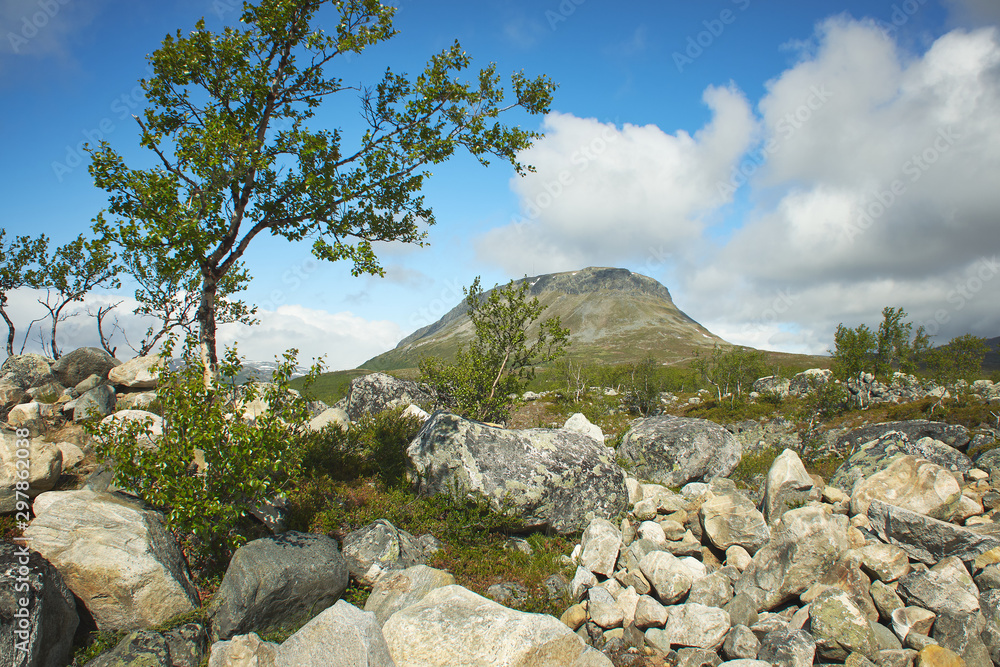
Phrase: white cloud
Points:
(603, 195)
(43, 27)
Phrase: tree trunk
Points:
(206, 323)
(10, 332)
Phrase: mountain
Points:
(613, 315)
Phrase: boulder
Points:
(44, 467)
(181, 647)
(731, 519)
(276, 583)
(335, 416)
(547, 478)
(787, 485)
(151, 420)
(243, 651)
(952, 435)
(371, 394)
(924, 538)
(670, 578)
(578, 423)
(601, 542)
(398, 590)
(27, 370)
(137, 373)
(841, 627)
(804, 382)
(44, 637)
(785, 646)
(454, 626)
(341, 635)
(939, 591)
(95, 404)
(73, 368)
(773, 385)
(29, 415)
(117, 558)
(139, 400)
(379, 547)
(676, 450)
(886, 562)
(694, 625)
(10, 395)
(804, 545)
(911, 482)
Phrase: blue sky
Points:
(780, 166)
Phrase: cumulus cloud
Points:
(870, 174)
(606, 195)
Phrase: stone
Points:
(548, 478)
(786, 486)
(583, 581)
(29, 415)
(696, 625)
(181, 647)
(574, 616)
(886, 600)
(841, 627)
(938, 591)
(885, 562)
(508, 593)
(27, 370)
(10, 395)
(73, 368)
(454, 626)
(118, 559)
(788, 647)
(806, 381)
(243, 651)
(740, 642)
(697, 657)
(578, 423)
(772, 385)
(803, 547)
(83, 387)
(937, 656)
(603, 609)
(44, 465)
(71, 454)
(371, 394)
(738, 557)
(961, 633)
(330, 417)
(731, 519)
(846, 575)
(676, 450)
(150, 422)
(415, 412)
(649, 613)
(873, 446)
(276, 583)
(137, 373)
(669, 577)
(382, 546)
(36, 604)
(398, 590)
(340, 635)
(95, 404)
(713, 590)
(652, 531)
(910, 482)
(924, 538)
(742, 609)
(601, 542)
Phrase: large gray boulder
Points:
(382, 546)
(97, 403)
(180, 647)
(340, 635)
(27, 370)
(278, 582)
(911, 482)
(454, 626)
(37, 612)
(371, 394)
(398, 590)
(787, 485)
(950, 434)
(117, 558)
(73, 368)
(924, 538)
(673, 451)
(871, 456)
(732, 519)
(137, 373)
(804, 546)
(548, 478)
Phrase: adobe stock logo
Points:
(32, 24)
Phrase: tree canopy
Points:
(227, 123)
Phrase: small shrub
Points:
(771, 397)
(753, 466)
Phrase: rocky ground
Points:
(892, 559)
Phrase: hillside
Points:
(613, 315)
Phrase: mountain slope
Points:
(613, 316)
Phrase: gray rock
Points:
(772, 385)
(676, 450)
(601, 542)
(787, 485)
(10, 395)
(27, 370)
(137, 373)
(714, 590)
(85, 386)
(378, 548)
(785, 647)
(508, 593)
(578, 423)
(73, 368)
(696, 625)
(399, 590)
(38, 596)
(731, 519)
(180, 647)
(961, 633)
(926, 539)
(670, 578)
(44, 467)
(341, 635)
(804, 382)
(603, 610)
(950, 434)
(649, 613)
(803, 547)
(117, 558)
(454, 626)
(938, 591)
(841, 627)
(740, 642)
(95, 404)
(886, 562)
(910, 482)
(697, 657)
(243, 651)
(278, 582)
(548, 478)
(371, 394)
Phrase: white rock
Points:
(670, 578)
(416, 412)
(697, 625)
(151, 419)
(652, 531)
(340, 635)
(28, 415)
(601, 542)
(44, 467)
(329, 416)
(243, 651)
(137, 373)
(578, 423)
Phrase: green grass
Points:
(329, 387)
